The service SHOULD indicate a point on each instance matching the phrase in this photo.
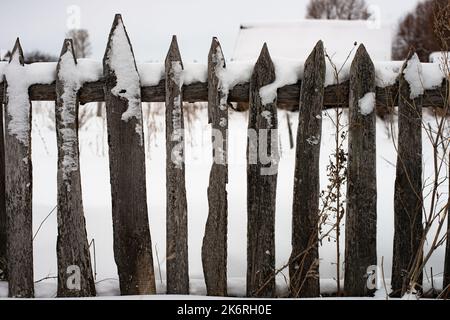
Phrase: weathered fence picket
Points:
(361, 213)
(304, 262)
(408, 197)
(72, 244)
(214, 249)
(3, 271)
(176, 223)
(18, 178)
(262, 170)
(132, 241)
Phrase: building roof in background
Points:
(440, 57)
(296, 39)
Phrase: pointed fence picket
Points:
(132, 241)
(361, 212)
(262, 169)
(72, 244)
(408, 197)
(177, 242)
(214, 248)
(305, 214)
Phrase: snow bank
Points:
(287, 72)
(236, 72)
(45, 72)
(386, 73)
(194, 72)
(442, 57)
(151, 73)
(89, 70)
(432, 75)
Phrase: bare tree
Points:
(81, 42)
(337, 10)
(39, 56)
(418, 31)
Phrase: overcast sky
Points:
(150, 23)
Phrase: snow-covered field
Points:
(97, 200)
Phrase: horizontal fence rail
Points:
(288, 96)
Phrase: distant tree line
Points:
(337, 10)
(81, 43)
(424, 30)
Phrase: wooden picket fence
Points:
(132, 241)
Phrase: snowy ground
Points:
(97, 201)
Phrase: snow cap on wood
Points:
(119, 59)
(216, 67)
(413, 74)
(174, 83)
(173, 54)
(16, 95)
(362, 65)
(264, 66)
(67, 86)
(265, 81)
(66, 69)
(17, 54)
(68, 47)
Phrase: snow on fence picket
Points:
(267, 85)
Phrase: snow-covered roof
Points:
(439, 57)
(296, 39)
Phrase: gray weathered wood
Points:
(361, 213)
(3, 269)
(304, 263)
(177, 233)
(132, 241)
(261, 183)
(72, 243)
(18, 186)
(214, 249)
(196, 92)
(408, 198)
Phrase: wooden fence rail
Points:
(288, 96)
(120, 87)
